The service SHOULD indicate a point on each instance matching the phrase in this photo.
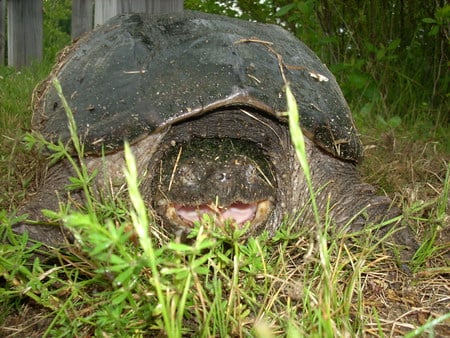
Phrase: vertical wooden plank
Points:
(82, 17)
(2, 32)
(106, 9)
(126, 5)
(25, 32)
(163, 6)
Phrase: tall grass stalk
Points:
(298, 140)
(84, 179)
(141, 226)
(107, 236)
(327, 295)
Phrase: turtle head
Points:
(218, 163)
(228, 179)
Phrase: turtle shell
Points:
(139, 73)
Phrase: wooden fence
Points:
(24, 31)
(24, 34)
(2, 31)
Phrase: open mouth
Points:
(238, 213)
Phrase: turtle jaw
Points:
(238, 214)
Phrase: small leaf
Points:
(429, 20)
(305, 8)
(76, 183)
(285, 9)
(393, 44)
(202, 270)
(433, 31)
(200, 261)
(178, 273)
(395, 121)
(100, 247)
(120, 298)
(117, 260)
(206, 244)
(50, 214)
(180, 247)
(124, 276)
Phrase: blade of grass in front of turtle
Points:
(72, 125)
(298, 141)
(141, 225)
(80, 168)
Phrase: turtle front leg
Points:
(354, 205)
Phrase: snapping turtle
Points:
(199, 97)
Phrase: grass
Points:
(122, 280)
(16, 164)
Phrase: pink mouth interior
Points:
(238, 213)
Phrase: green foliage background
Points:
(57, 26)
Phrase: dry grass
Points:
(416, 172)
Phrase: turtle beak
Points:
(238, 213)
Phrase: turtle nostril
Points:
(222, 177)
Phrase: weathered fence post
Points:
(105, 9)
(2, 31)
(25, 31)
(82, 17)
